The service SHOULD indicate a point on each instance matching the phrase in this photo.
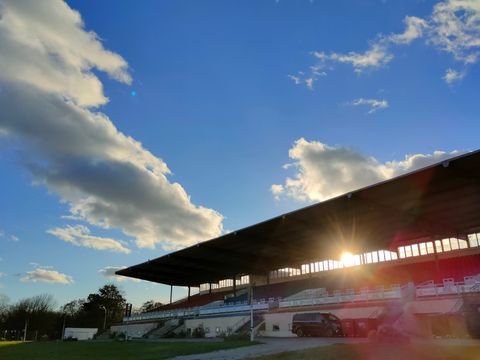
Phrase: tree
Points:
(149, 306)
(38, 312)
(3, 308)
(73, 308)
(109, 301)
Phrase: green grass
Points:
(377, 352)
(93, 350)
(6, 343)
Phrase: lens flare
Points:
(347, 259)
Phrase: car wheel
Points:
(300, 332)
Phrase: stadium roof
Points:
(431, 203)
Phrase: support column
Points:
(189, 293)
(234, 286)
(210, 288)
(171, 293)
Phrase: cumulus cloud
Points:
(48, 276)
(374, 104)
(45, 45)
(108, 179)
(452, 27)
(109, 273)
(323, 171)
(79, 235)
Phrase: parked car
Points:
(316, 324)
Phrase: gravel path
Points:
(268, 346)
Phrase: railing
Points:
(449, 287)
(347, 296)
(203, 310)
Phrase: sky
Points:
(132, 129)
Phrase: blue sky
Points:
(256, 108)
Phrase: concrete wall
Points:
(218, 325)
(134, 330)
(281, 320)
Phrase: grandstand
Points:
(404, 252)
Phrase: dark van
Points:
(316, 324)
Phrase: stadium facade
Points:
(403, 253)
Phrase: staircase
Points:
(148, 333)
(165, 329)
(245, 328)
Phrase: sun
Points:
(347, 259)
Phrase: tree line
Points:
(43, 320)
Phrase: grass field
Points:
(377, 352)
(92, 350)
(143, 350)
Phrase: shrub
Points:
(198, 332)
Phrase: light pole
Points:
(63, 327)
(25, 330)
(105, 317)
(252, 335)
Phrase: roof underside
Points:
(438, 201)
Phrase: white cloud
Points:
(2, 274)
(14, 238)
(414, 28)
(45, 45)
(295, 79)
(376, 56)
(48, 276)
(108, 179)
(277, 190)
(455, 28)
(323, 172)
(79, 235)
(451, 76)
(307, 79)
(374, 104)
(452, 27)
(109, 273)
(2, 233)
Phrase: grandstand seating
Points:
(375, 282)
(195, 301)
